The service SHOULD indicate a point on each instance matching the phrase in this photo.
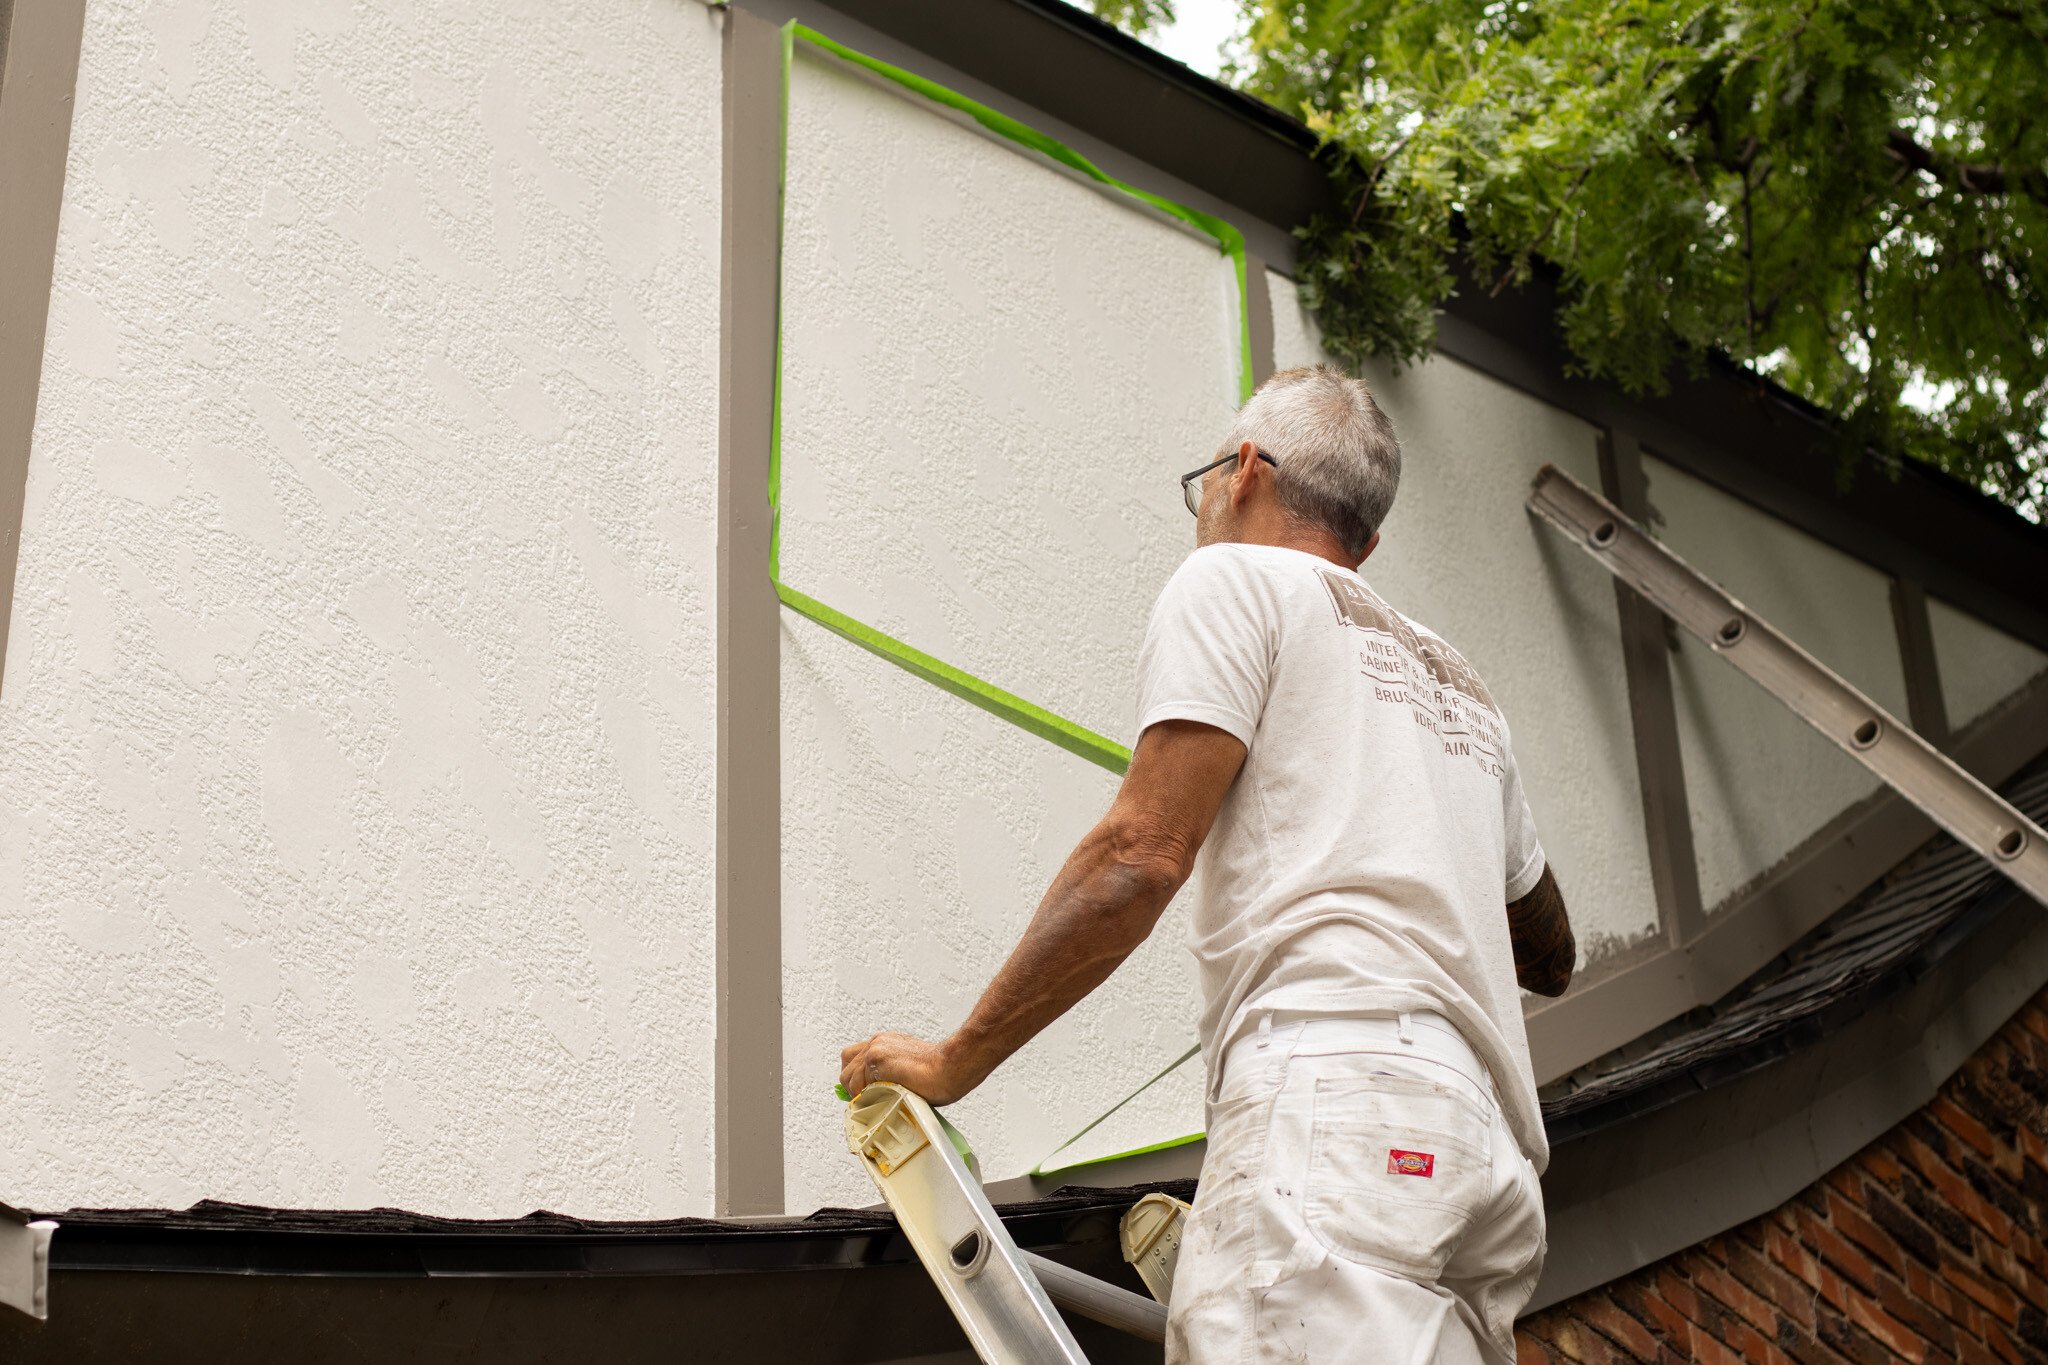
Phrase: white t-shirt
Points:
(1363, 860)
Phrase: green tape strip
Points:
(1075, 739)
(1044, 1168)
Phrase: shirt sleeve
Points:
(1209, 650)
(1525, 859)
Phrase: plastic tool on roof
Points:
(1151, 1233)
(1002, 1296)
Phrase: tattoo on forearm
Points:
(1542, 937)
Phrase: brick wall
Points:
(1926, 1245)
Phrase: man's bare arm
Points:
(1542, 935)
(1100, 907)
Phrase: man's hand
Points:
(932, 1071)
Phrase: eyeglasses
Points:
(1191, 491)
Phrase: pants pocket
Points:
(1399, 1170)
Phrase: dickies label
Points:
(1410, 1163)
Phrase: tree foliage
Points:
(1850, 195)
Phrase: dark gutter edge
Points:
(100, 1240)
(1636, 1192)
(1230, 99)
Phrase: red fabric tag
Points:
(1410, 1163)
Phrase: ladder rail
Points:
(979, 1270)
(1977, 816)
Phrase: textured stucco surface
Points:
(918, 834)
(1980, 665)
(1758, 778)
(1536, 617)
(994, 374)
(355, 828)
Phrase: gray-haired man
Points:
(1372, 891)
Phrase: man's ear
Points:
(1247, 470)
(1370, 546)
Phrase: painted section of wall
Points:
(1980, 664)
(1758, 778)
(994, 374)
(1535, 616)
(355, 828)
(918, 835)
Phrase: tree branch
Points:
(1965, 176)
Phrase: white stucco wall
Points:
(1980, 665)
(994, 374)
(356, 741)
(1758, 778)
(1536, 617)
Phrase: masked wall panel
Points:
(993, 373)
(1536, 618)
(355, 836)
(1760, 779)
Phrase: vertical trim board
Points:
(748, 1153)
(1653, 715)
(39, 45)
(1925, 707)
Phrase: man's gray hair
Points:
(1337, 462)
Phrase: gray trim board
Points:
(748, 1120)
(39, 46)
(1926, 711)
(1631, 1194)
(1756, 924)
(1653, 715)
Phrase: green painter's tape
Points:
(1075, 739)
(1045, 1168)
(1226, 235)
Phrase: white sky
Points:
(1197, 36)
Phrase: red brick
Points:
(1529, 1351)
(1852, 1224)
(1618, 1326)
(1964, 1125)
(1931, 1325)
(1993, 1297)
(1705, 1348)
(1651, 1309)
(1774, 1285)
(1713, 1280)
(1882, 1165)
(1835, 1250)
(1895, 1335)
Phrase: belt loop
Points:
(1407, 1032)
(1265, 1029)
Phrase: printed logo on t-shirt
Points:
(1410, 1163)
(1429, 677)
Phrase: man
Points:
(1372, 891)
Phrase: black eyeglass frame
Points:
(1193, 499)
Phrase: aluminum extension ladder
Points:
(1003, 1296)
(1958, 802)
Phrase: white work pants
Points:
(1362, 1199)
